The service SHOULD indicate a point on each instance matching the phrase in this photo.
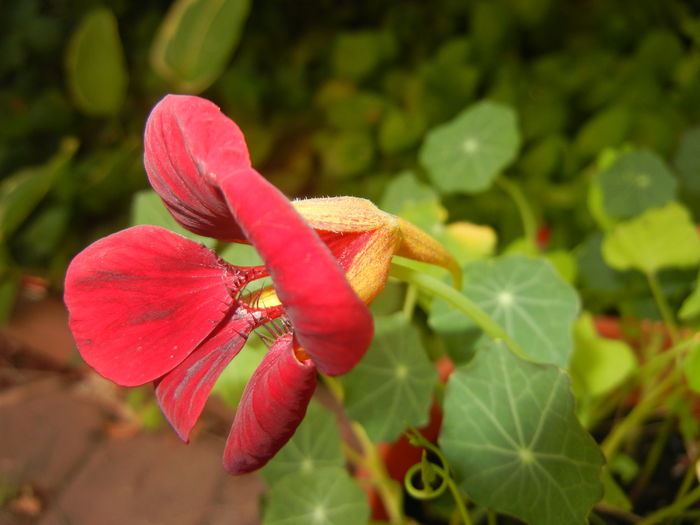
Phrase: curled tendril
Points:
(429, 473)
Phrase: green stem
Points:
(675, 509)
(663, 306)
(459, 301)
(527, 216)
(409, 303)
(457, 496)
(653, 456)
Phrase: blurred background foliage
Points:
(338, 97)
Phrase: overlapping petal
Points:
(186, 139)
(271, 408)
(183, 392)
(141, 300)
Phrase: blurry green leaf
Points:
(594, 272)
(45, 231)
(564, 263)
(691, 306)
(598, 365)
(22, 191)
(346, 153)
(95, 64)
(528, 299)
(512, 437)
(148, 208)
(543, 158)
(691, 368)
(314, 445)
(659, 238)
(196, 40)
(467, 241)
(404, 189)
(687, 159)
(607, 128)
(357, 54)
(660, 50)
(357, 111)
(400, 130)
(327, 496)
(9, 289)
(467, 153)
(614, 494)
(235, 377)
(241, 255)
(392, 387)
(635, 182)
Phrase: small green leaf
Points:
(196, 40)
(405, 188)
(314, 445)
(148, 208)
(392, 387)
(95, 64)
(22, 191)
(346, 153)
(357, 54)
(327, 496)
(598, 365)
(467, 153)
(691, 306)
(512, 437)
(659, 238)
(691, 368)
(636, 182)
(687, 159)
(527, 298)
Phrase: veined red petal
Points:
(142, 299)
(184, 135)
(330, 321)
(271, 408)
(183, 392)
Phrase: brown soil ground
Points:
(73, 453)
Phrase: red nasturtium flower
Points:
(148, 305)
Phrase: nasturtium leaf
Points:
(327, 496)
(598, 365)
(21, 192)
(687, 159)
(527, 298)
(691, 306)
(392, 387)
(95, 64)
(659, 238)
(691, 368)
(607, 128)
(635, 182)
(512, 437)
(196, 40)
(314, 445)
(595, 274)
(467, 153)
(404, 189)
(148, 208)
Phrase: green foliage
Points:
(391, 388)
(660, 238)
(511, 435)
(467, 153)
(327, 495)
(95, 64)
(196, 39)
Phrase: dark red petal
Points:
(330, 321)
(184, 135)
(183, 392)
(271, 408)
(141, 300)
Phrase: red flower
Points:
(149, 305)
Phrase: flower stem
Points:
(458, 300)
(663, 306)
(527, 216)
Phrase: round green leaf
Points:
(659, 238)
(527, 298)
(467, 153)
(636, 182)
(512, 437)
(326, 496)
(314, 445)
(95, 64)
(392, 387)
